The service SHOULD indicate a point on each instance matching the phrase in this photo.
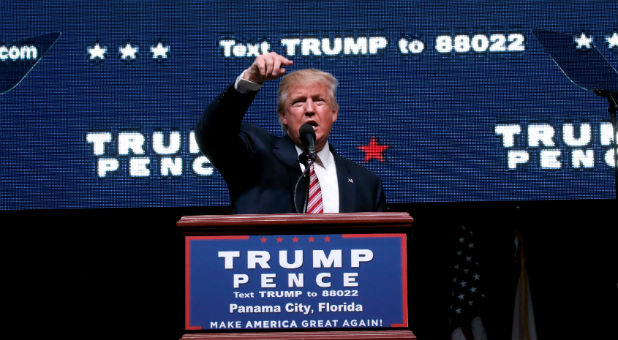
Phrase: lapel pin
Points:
(350, 180)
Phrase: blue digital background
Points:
(435, 111)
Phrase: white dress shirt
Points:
(326, 171)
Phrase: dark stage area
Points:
(120, 272)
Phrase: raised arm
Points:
(218, 131)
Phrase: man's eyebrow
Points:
(299, 96)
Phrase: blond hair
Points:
(306, 76)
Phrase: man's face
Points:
(312, 104)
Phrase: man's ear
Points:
(283, 122)
(282, 119)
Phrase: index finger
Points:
(285, 61)
(280, 61)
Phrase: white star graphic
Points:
(583, 41)
(128, 51)
(159, 51)
(97, 52)
(612, 41)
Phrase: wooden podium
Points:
(236, 267)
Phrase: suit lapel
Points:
(285, 151)
(347, 185)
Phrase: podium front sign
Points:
(296, 282)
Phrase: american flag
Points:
(466, 293)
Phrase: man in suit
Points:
(261, 169)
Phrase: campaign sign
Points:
(303, 281)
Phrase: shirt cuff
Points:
(245, 86)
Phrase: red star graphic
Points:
(311, 239)
(279, 240)
(295, 239)
(263, 239)
(373, 150)
(326, 239)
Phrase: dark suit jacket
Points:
(261, 169)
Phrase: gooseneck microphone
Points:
(307, 137)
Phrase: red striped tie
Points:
(314, 204)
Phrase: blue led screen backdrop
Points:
(447, 101)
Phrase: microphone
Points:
(307, 137)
